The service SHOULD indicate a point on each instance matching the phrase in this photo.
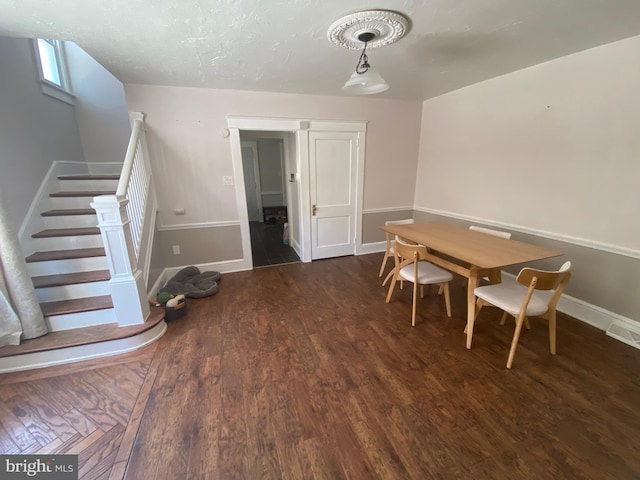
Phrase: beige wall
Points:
(35, 129)
(551, 151)
(190, 156)
(553, 148)
(199, 246)
(101, 108)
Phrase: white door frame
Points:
(253, 144)
(301, 130)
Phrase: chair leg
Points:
(386, 279)
(413, 312)
(504, 318)
(552, 332)
(421, 291)
(516, 337)
(447, 300)
(384, 264)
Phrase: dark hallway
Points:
(267, 247)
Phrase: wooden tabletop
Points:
(474, 248)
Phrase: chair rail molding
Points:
(583, 242)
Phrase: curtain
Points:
(20, 314)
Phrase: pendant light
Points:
(364, 80)
(374, 29)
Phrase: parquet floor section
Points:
(301, 371)
(82, 409)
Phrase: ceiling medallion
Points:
(387, 28)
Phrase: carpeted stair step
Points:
(89, 177)
(65, 254)
(76, 305)
(88, 193)
(69, 211)
(67, 232)
(71, 278)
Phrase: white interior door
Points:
(252, 180)
(333, 158)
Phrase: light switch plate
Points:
(227, 180)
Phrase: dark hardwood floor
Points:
(302, 371)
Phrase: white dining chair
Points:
(518, 298)
(500, 234)
(410, 265)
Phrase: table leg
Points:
(471, 303)
(495, 276)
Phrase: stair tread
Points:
(65, 254)
(90, 177)
(68, 211)
(76, 305)
(71, 278)
(67, 232)
(82, 336)
(82, 193)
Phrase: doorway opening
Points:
(264, 166)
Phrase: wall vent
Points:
(625, 332)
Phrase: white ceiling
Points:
(282, 45)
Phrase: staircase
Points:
(69, 268)
(90, 314)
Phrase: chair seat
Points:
(428, 273)
(508, 296)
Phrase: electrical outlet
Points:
(176, 249)
(227, 180)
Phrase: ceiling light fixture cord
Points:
(363, 62)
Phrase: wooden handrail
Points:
(127, 166)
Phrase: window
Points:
(52, 67)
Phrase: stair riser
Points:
(80, 320)
(70, 221)
(71, 202)
(72, 265)
(65, 243)
(75, 185)
(68, 292)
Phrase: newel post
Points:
(127, 282)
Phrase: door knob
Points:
(313, 210)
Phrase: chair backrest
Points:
(388, 223)
(409, 251)
(546, 280)
(406, 221)
(489, 231)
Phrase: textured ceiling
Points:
(282, 45)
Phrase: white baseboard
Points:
(366, 248)
(28, 361)
(228, 266)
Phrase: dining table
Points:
(469, 253)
